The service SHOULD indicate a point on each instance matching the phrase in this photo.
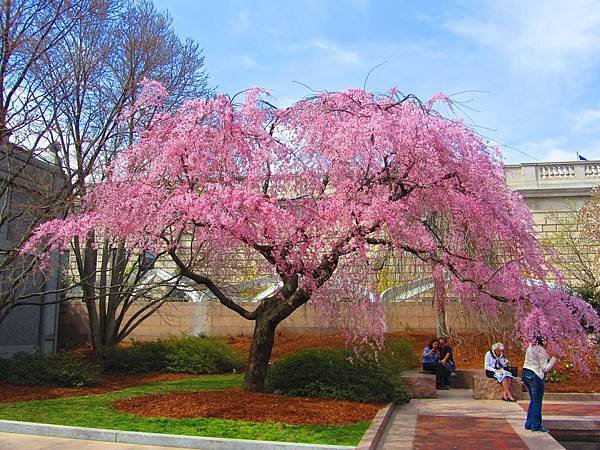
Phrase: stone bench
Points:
(464, 378)
(485, 388)
(419, 384)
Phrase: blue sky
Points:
(532, 67)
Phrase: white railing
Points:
(592, 170)
(553, 171)
(553, 175)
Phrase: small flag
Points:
(581, 158)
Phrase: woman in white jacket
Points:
(537, 363)
(496, 366)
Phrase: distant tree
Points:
(89, 84)
(31, 190)
(30, 29)
(591, 218)
(105, 58)
(577, 245)
(311, 190)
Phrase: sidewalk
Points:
(456, 421)
(14, 441)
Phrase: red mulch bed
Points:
(235, 404)
(12, 393)
(576, 383)
(286, 344)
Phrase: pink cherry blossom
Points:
(314, 189)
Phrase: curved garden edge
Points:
(158, 439)
(374, 433)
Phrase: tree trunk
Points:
(260, 352)
(439, 299)
(441, 326)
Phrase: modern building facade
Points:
(28, 185)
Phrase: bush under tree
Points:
(338, 374)
(36, 369)
(185, 354)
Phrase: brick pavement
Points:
(446, 432)
(456, 421)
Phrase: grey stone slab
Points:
(400, 432)
(589, 423)
(43, 429)
(216, 443)
(534, 441)
(156, 439)
(570, 397)
(377, 428)
(16, 441)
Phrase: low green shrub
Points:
(141, 357)
(185, 354)
(201, 355)
(69, 371)
(36, 369)
(332, 374)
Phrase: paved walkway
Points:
(456, 421)
(13, 441)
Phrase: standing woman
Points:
(537, 363)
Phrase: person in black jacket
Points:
(446, 355)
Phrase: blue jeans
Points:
(535, 386)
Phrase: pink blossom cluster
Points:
(313, 188)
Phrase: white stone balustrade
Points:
(559, 171)
(592, 170)
(538, 179)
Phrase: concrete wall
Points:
(176, 318)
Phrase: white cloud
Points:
(338, 53)
(552, 149)
(543, 35)
(586, 121)
(560, 149)
(285, 101)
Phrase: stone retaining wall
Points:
(175, 318)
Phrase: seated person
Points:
(431, 362)
(446, 355)
(496, 366)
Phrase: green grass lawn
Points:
(96, 412)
